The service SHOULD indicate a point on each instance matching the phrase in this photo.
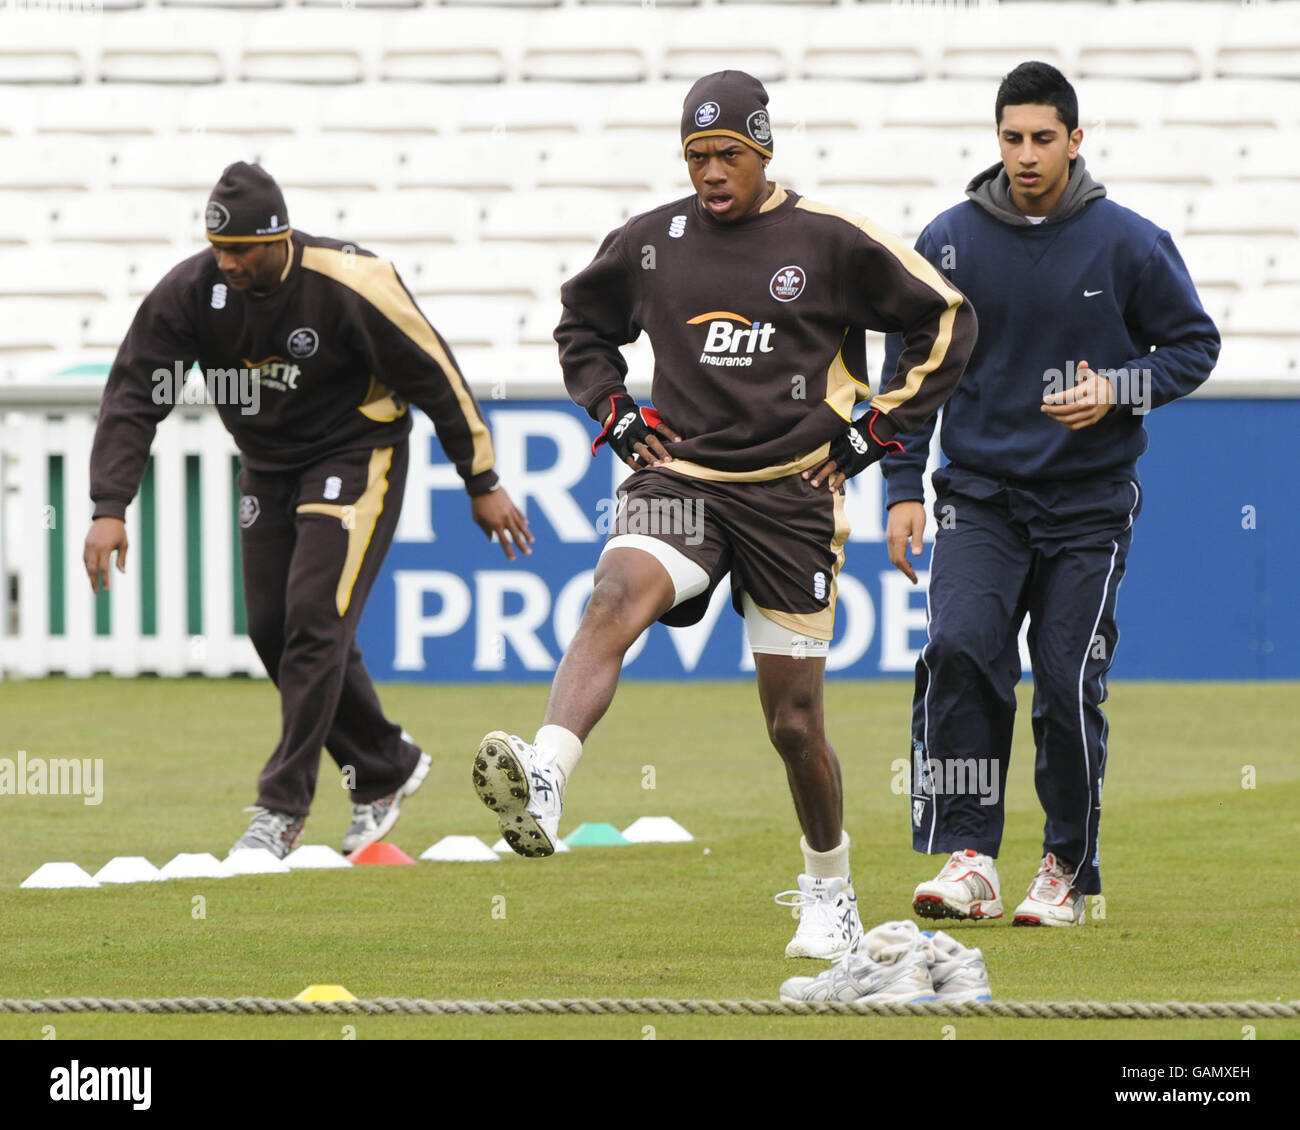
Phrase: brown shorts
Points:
(781, 540)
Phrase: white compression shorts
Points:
(766, 637)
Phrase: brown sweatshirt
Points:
(758, 330)
(336, 352)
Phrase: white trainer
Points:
(957, 971)
(828, 918)
(889, 964)
(522, 791)
(1052, 899)
(967, 887)
(374, 819)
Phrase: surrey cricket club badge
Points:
(303, 342)
(707, 114)
(787, 284)
(759, 126)
(249, 509)
(216, 217)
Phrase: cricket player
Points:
(756, 301)
(1088, 321)
(336, 350)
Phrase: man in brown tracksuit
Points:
(756, 301)
(313, 351)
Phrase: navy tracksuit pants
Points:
(1004, 549)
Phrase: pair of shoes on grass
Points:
(280, 832)
(897, 963)
(968, 887)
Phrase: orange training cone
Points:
(380, 853)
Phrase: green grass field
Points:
(1199, 870)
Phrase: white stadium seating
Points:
(487, 146)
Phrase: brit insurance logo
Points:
(787, 284)
(732, 339)
(216, 217)
(759, 126)
(303, 342)
(707, 113)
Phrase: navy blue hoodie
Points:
(1094, 282)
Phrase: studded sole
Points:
(502, 784)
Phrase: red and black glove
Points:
(856, 448)
(628, 426)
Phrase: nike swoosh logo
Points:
(1091, 293)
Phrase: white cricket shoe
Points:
(957, 972)
(1052, 899)
(889, 964)
(967, 887)
(522, 791)
(828, 917)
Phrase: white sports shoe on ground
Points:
(278, 832)
(523, 793)
(967, 887)
(376, 818)
(889, 964)
(1052, 899)
(957, 972)
(828, 917)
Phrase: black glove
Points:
(628, 426)
(856, 448)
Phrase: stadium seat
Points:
(51, 165)
(85, 275)
(987, 43)
(107, 323)
(1167, 42)
(479, 320)
(1241, 105)
(319, 48)
(412, 217)
(1270, 157)
(574, 216)
(540, 320)
(919, 158)
(1260, 42)
(189, 163)
(587, 46)
(543, 110)
(142, 218)
(957, 107)
(30, 325)
(245, 5)
(1227, 262)
(114, 111)
(1244, 211)
(1121, 104)
(46, 51)
(363, 5)
(619, 164)
(1254, 359)
(316, 212)
(703, 41)
(474, 163)
(480, 5)
(1268, 311)
(158, 46)
(522, 271)
(250, 110)
(352, 163)
(853, 44)
(443, 46)
(409, 109)
(1161, 157)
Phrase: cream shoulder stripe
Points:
(919, 268)
(376, 281)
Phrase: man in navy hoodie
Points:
(1088, 319)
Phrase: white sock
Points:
(833, 864)
(561, 748)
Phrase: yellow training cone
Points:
(324, 993)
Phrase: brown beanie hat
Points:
(246, 207)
